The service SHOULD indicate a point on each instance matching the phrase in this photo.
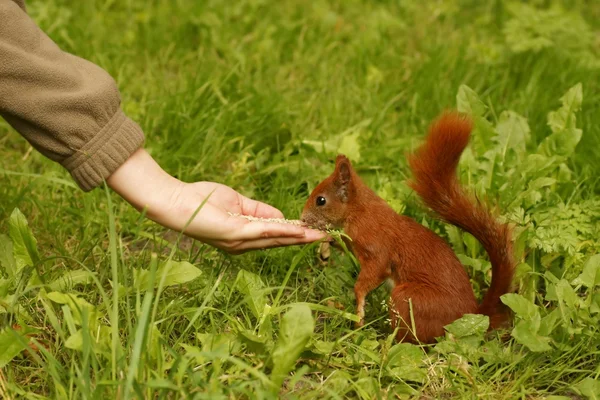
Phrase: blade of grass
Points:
(141, 331)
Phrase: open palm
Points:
(215, 225)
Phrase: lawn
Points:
(98, 302)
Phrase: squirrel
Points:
(427, 278)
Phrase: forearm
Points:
(66, 107)
(145, 185)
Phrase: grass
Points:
(231, 92)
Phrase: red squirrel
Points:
(426, 275)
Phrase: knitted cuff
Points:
(107, 151)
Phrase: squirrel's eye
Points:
(321, 201)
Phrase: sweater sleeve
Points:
(66, 107)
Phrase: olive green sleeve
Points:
(66, 107)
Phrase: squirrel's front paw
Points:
(359, 324)
(324, 252)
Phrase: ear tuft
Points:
(343, 169)
(341, 158)
(343, 176)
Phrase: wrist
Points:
(144, 184)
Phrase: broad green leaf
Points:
(521, 306)
(405, 362)
(564, 117)
(561, 143)
(266, 322)
(75, 304)
(533, 195)
(469, 324)
(400, 352)
(474, 263)
(253, 289)
(595, 305)
(70, 279)
(218, 345)
(522, 270)
(564, 173)
(539, 164)
(565, 135)
(297, 326)
(329, 146)
(455, 238)
(468, 165)
(255, 344)
(590, 388)
(11, 345)
(339, 382)
(24, 243)
(490, 166)
(323, 347)
(366, 387)
(345, 142)
(494, 352)
(4, 286)
(175, 273)
(100, 340)
(350, 147)
(194, 353)
(7, 260)
(525, 334)
(75, 341)
(548, 323)
(468, 102)
(472, 244)
(551, 286)
(565, 292)
(484, 132)
(325, 309)
(8, 304)
(590, 276)
(513, 132)
(541, 182)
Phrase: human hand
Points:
(215, 225)
(172, 203)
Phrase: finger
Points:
(264, 230)
(314, 235)
(261, 244)
(297, 222)
(259, 209)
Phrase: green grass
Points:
(231, 92)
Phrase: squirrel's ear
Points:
(343, 176)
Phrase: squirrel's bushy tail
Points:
(435, 181)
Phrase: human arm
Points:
(172, 203)
(69, 109)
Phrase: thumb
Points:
(259, 209)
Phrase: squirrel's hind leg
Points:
(431, 310)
